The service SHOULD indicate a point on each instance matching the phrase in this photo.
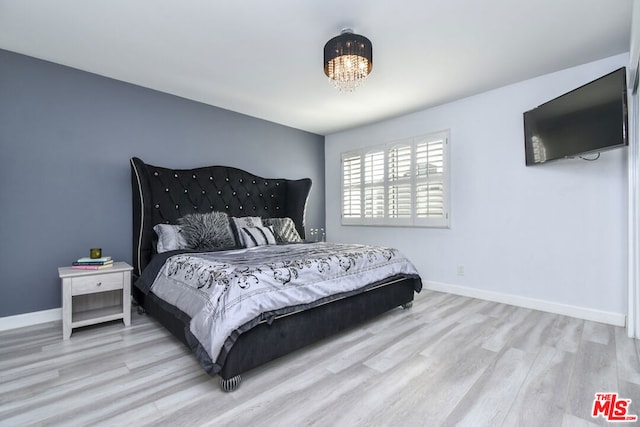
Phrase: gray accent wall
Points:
(66, 137)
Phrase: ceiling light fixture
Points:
(348, 60)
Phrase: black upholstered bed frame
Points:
(162, 195)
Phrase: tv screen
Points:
(589, 119)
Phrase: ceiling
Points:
(264, 58)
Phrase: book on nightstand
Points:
(91, 267)
(87, 260)
(87, 263)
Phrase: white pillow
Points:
(170, 238)
(257, 236)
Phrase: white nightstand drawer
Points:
(97, 283)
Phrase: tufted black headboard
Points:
(162, 195)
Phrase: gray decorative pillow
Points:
(170, 238)
(207, 231)
(284, 229)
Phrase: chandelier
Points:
(348, 60)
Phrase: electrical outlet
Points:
(461, 270)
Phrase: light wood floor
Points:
(449, 360)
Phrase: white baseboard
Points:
(615, 319)
(29, 319)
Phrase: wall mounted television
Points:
(589, 119)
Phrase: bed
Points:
(164, 198)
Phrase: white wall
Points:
(551, 236)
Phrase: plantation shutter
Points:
(374, 184)
(404, 183)
(430, 201)
(351, 186)
(399, 201)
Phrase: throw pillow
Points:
(242, 222)
(258, 236)
(207, 231)
(170, 238)
(284, 229)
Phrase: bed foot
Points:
(407, 305)
(139, 309)
(230, 384)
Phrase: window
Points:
(403, 183)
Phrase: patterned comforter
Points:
(223, 291)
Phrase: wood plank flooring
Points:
(449, 360)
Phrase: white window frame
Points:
(367, 188)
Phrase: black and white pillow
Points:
(284, 229)
(170, 238)
(239, 223)
(207, 231)
(257, 236)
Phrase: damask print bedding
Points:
(226, 291)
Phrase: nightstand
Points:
(95, 296)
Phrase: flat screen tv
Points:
(589, 119)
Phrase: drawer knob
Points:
(99, 283)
